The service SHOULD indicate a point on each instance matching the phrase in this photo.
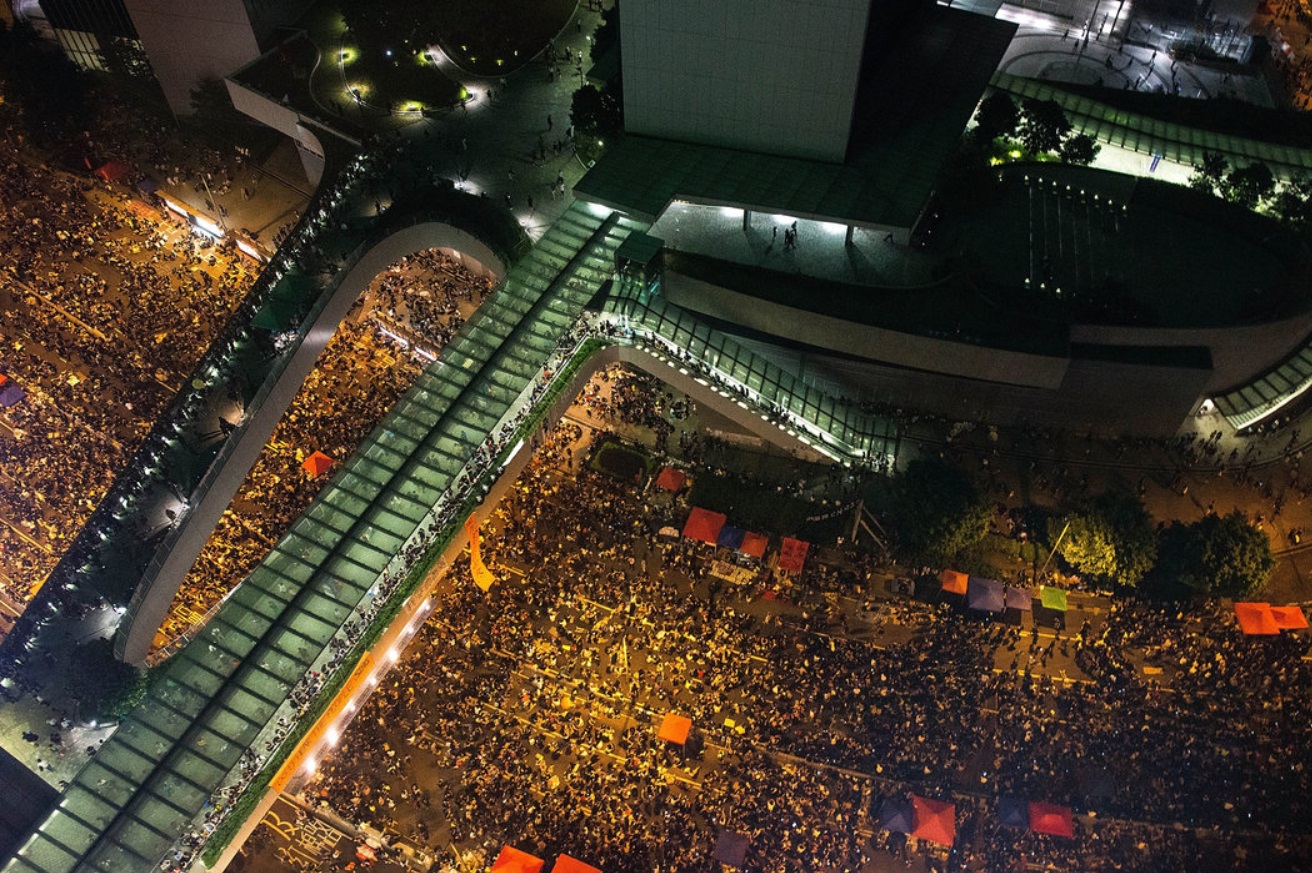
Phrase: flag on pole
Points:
(483, 577)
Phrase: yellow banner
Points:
(314, 736)
(483, 577)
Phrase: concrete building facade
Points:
(771, 76)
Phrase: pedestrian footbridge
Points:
(222, 710)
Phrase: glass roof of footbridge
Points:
(223, 693)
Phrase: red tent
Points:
(675, 729)
(317, 464)
(953, 581)
(1049, 818)
(1289, 617)
(112, 171)
(512, 860)
(566, 864)
(936, 820)
(754, 544)
(1255, 619)
(793, 555)
(671, 479)
(704, 525)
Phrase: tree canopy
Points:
(1110, 539)
(1249, 185)
(1080, 149)
(106, 689)
(1043, 126)
(1219, 556)
(939, 509)
(997, 116)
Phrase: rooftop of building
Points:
(1089, 246)
(908, 120)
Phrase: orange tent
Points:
(792, 555)
(317, 464)
(704, 525)
(1289, 617)
(674, 729)
(936, 820)
(754, 544)
(1255, 619)
(566, 864)
(671, 479)
(512, 860)
(953, 581)
(1049, 818)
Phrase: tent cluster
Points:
(920, 817)
(713, 528)
(989, 595)
(935, 820)
(1042, 818)
(512, 860)
(10, 393)
(1263, 619)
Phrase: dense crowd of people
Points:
(107, 305)
(403, 320)
(528, 716)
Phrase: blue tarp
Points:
(730, 537)
(985, 594)
(1013, 813)
(897, 814)
(1019, 598)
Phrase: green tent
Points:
(1053, 598)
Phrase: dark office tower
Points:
(95, 34)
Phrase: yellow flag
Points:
(483, 577)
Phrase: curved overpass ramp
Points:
(303, 618)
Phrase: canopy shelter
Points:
(317, 464)
(675, 729)
(1255, 619)
(1018, 598)
(566, 864)
(730, 848)
(896, 814)
(953, 581)
(792, 555)
(704, 525)
(754, 544)
(1053, 598)
(112, 171)
(1049, 818)
(1013, 813)
(936, 820)
(671, 480)
(10, 393)
(730, 537)
(985, 594)
(1289, 617)
(512, 860)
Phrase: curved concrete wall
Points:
(199, 522)
(1238, 353)
(863, 340)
